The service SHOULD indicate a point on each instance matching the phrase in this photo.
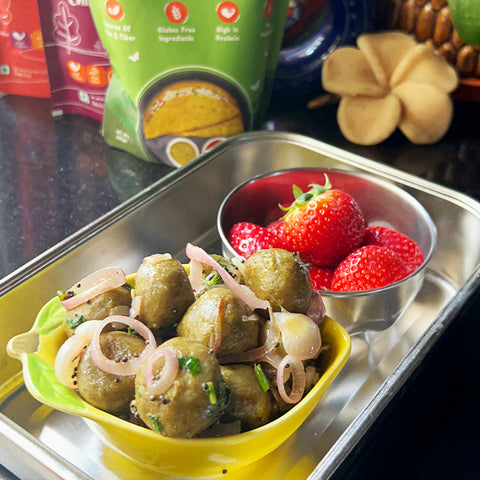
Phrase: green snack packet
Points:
(186, 74)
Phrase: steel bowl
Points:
(382, 202)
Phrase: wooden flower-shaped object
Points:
(390, 81)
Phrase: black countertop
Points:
(57, 175)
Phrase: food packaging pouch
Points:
(78, 64)
(187, 74)
(23, 69)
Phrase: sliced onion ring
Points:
(300, 335)
(158, 384)
(316, 311)
(195, 275)
(87, 329)
(242, 291)
(272, 357)
(290, 366)
(122, 368)
(67, 359)
(136, 307)
(272, 342)
(96, 283)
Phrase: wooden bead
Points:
(443, 27)
(409, 16)
(425, 24)
(466, 60)
(448, 52)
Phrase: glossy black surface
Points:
(58, 175)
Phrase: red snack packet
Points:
(78, 64)
(23, 69)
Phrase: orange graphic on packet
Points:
(228, 12)
(76, 71)
(37, 39)
(176, 12)
(96, 76)
(114, 10)
(269, 5)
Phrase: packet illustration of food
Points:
(23, 69)
(186, 74)
(78, 64)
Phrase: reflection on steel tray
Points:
(38, 442)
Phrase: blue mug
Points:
(313, 29)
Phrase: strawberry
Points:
(367, 268)
(276, 229)
(408, 251)
(321, 278)
(323, 225)
(247, 238)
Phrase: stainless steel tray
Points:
(36, 442)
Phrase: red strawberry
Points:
(276, 229)
(408, 251)
(321, 278)
(247, 238)
(367, 268)
(323, 225)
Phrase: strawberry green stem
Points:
(302, 198)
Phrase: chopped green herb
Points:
(73, 323)
(228, 267)
(192, 364)
(221, 397)
(210, 391)
(262, 379)
(132, 332)
(128, 286)
(212, 279)
(222, 263)
(156, 424)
